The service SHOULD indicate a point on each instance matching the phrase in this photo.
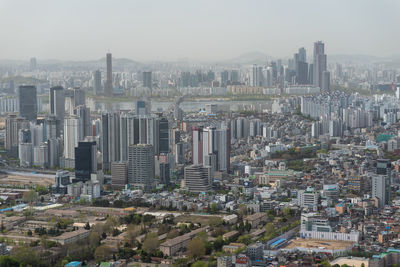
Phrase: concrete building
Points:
(27, 102)
(197, 178)
(119, 174)
(141, 166)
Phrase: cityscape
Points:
(256, 160)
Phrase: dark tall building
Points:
(109, 81)
(85, 160)
(164, 136)
(27, 101)
(326, 81)
(164, 173)
(320, 63)
(97, 82)
(224, 78)
(147, 79)
(57, 106)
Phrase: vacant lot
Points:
(11, 179)
(202, 219)
(318, 243)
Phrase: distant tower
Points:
(326, 81)
(27, 101)
(320, 63)
(97, 82)
(147, 79)
(109, 82)
(57, 106)
(33, 64)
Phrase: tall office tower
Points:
(36, 133)
(147, 79)
(381, 189)
(85, 161)
(164, 173)
(142, 108)
(41, 156)
(110, 139)
(25, 148)
(211, 141)
(197, 178)
(57, 106)
(302, 54)
(97, 82)
(234, 76)
(55, 150)
(50, 125)
(311, 73)
(257, 76)
(319, 63)
(224, 78)
(33, 64)
(119, 174)
(13, 125)
(185, 79)
(326, 81)
(109, 80)
(163, 135)
(83, 113)
(74, 97)
(27, 101)
(71, 136)
(141, 166)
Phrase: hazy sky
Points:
(194, 29)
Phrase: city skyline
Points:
(155, 30)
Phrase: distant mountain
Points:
(250, 58)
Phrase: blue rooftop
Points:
(74, 263)
(277, 242)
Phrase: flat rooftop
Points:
(318, 243)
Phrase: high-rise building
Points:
(109, 80)
(141, 166)
(197, 178)
(119, 174)
(85, 160)
(142, 108)
(33, 64)
(27, 101)
(165, 173)
(234, 76)
(13, 125)
(57, 106)
(110, 139)
(71, 136)
(326, 81)
(381, 189)
(319, 64)
(163, 135)
(257, 76)
(97, 82)
(224, 78)
(85, 124)
(147, 79)
(211, 141)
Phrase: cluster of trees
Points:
(292, 154)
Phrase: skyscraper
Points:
(85, 160)
(13, 125)
(97, 82)
(71, 136)
(381, 189)
(110, 138)
(326, 81)
(211, 141)
(141, 166)
(27, 101)
(33, 64)
(319, 63)
(147, 79)
(163, 135)
(57, 106)
(119, 174)
(109, 81)
(164, 173)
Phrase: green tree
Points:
(102, 253)
(172, 234)
(151, 243)
(199, 264)
(196, 249)
(29, 196)
(269, 228)
(26, 256)
(8, 261)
